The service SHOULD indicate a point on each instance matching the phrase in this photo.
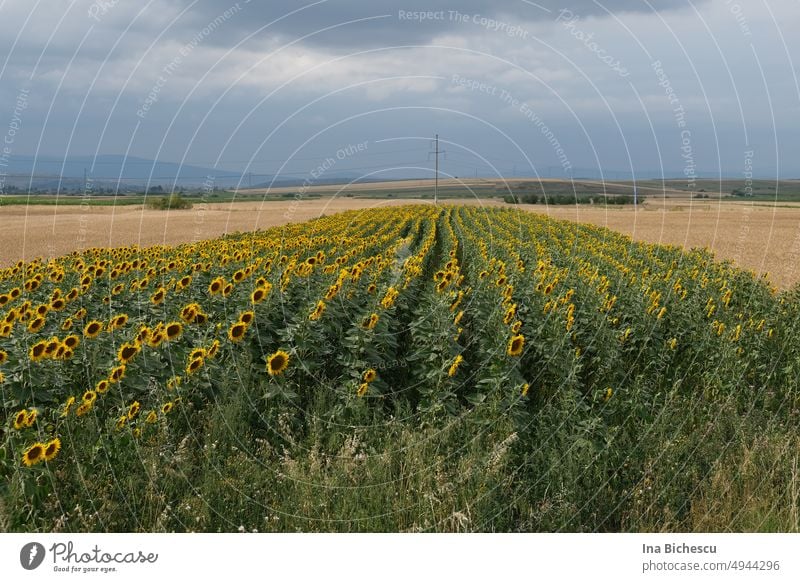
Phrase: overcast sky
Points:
(679, 87)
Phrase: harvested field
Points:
(760, 237)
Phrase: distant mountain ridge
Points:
(135, 173)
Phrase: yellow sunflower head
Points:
(21, 419)
(515, 345)
(51, 449)
(33, 454)
(236, 331)
(93, 329)
(277, 363)
(173, 330)
(133, 410)
(194, 365)
(117, 374)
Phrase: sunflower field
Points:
(403, 369)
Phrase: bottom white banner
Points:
(383, 557)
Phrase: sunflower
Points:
(454, 366)
(33, 454)
(133, 409)
(372, 288)
(117, 322)
(36, 324)
(42, 309)
(51, 347)
(21, 419)
(216, 286)
(84, 408)
(127, 352)
(194, 365)
(72, 341)
(277, 363)
(333, 290)
(6, 329)
(37, 351)
(516, 326)
(51, 449)
(120, 424)
(137, 432)
(247, 317)
(151, 418)
(525, 388)
(89, 396)
(511, 312)
(166, 408)
(371, 321)
(3, 356)
(158, 297)
(173, 330)
(258, 295)
(197, 353)
(100, 388)
(212, 351)
(68, 406)
(607, 394)
(236, 331)
(389, 298)
(67, 324)
(174, 382)
(31, 418)
(369, 376)
(93, 329)
(189, 312)
(80, 314)
(458, 317)
(515, 345)
(318, 311)
(143, 334)
(362, 389)
(155, 339)
(116, 374)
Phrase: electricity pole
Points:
(436, 153)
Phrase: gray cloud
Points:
(354, 23)
(593, 110)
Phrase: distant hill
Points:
(131, 173)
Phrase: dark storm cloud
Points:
(393, 22)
